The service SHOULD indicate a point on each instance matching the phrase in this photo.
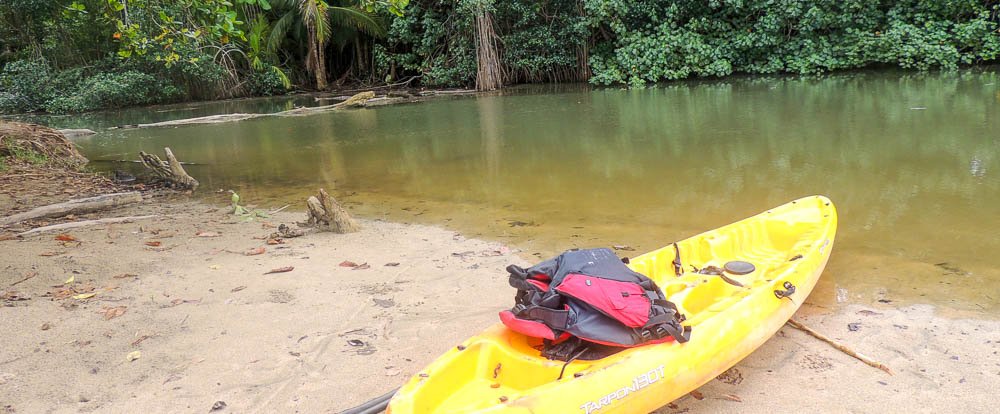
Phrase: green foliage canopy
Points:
(203, 49)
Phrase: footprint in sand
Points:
(279, 296)
(816, 363)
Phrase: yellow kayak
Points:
(502, 371)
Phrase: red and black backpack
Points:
(591, 295)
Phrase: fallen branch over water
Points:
(79, 206)
(358, 100)
(211, 119)
(85, 223)
(73, 133)
(798, 325)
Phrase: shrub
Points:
(114, 90)
(265, 83)
(24, 86)
(655, 40)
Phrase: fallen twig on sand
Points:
(83, 205)
(26, 277)
(85, 223)
(798, 325)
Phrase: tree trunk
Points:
(489, 73)
(321, 82)
(326, 214)
(316, 58)
(79, 206)
(583, 72)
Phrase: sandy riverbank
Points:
(209, 325)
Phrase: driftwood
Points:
(326, 214)
(170, 170)
(358, 100)
(73, 133)
(371, 103)
(449, 92)
(211, 119)
(798, 325)
(79, 206)
(85, 223)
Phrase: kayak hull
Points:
(501, 371)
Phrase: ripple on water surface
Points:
(912, 162)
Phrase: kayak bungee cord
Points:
(374, 406)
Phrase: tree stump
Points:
(326, 214)
(169, 170)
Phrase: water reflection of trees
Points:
(891, 149)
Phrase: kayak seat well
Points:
(707, 290)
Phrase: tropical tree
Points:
(315, 21)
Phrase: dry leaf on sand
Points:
(112, 312)
(280, 270)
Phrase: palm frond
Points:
(322, 22)
(310, 11)
(280, 30)
(358, 19)
(282, 76)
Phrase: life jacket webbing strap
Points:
(555, 319)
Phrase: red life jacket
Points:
(590, 294)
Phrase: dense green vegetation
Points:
(78, 55)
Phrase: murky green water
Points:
(912, 162)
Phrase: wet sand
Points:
(202, 323)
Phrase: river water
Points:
(912, 162)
